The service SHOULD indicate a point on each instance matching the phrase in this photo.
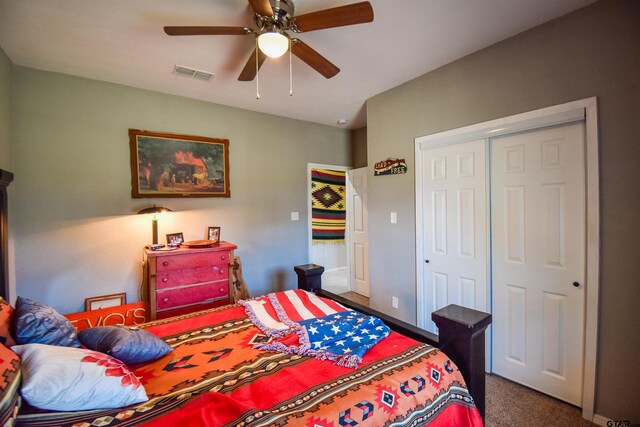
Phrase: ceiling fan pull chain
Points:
(257, 72)
(290, 71)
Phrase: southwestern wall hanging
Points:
(169, 165)
(328, 206)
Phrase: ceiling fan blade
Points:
(357, 13)
(249, 71)
(207, 31)
(261, 7)
(313, 58)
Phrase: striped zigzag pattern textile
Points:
(328, 204)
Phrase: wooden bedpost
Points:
(461, 337)
(309, 276)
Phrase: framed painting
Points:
(170, 165)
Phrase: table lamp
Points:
(155, 211)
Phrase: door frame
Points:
(585, 109)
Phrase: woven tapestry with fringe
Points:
(328, 205)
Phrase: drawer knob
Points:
(221, 289)
(165, 263)
(221, 271)
(223, 257)
(165, 299)
(166, 279)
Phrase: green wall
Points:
(592, 52)
(72, 216)
(5, 111)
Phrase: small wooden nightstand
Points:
(187, 279)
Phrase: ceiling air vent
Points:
(193, 73)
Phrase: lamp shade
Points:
(154, 210)
(273, 44)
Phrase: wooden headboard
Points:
(5, 179)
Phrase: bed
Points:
(219, 373)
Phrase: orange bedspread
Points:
(214, 377)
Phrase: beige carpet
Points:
(510, 404)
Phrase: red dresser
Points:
(188, 279)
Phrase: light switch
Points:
(295, 216)
(394, 218)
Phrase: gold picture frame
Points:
(172, 165)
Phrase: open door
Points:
(357, 231)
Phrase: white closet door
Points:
(455, 227)
(538, 268)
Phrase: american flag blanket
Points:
(323, 329)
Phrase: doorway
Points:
(332, 254)
(494, 132)
(346, 262)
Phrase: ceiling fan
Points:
(273, 19)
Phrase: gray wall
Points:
(592, 52)
(5, 111)
(72, 216)
(359, 147)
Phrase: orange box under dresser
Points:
(188, 279)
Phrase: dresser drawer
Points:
(178, 262)
(208, 292)
(189, 276)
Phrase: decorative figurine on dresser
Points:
(190, 278)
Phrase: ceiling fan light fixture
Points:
(273, 44)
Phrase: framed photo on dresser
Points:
(175, 239)
(213, 234)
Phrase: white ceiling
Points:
(123, 41)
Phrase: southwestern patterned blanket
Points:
(216, 377)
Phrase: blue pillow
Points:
(130, 345)
(36, 323)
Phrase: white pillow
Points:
(75, 379)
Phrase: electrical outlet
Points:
(394, 217)
(394, 302)
(295, 216)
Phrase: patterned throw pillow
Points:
(75, 379)
(6, 314)
(9, 386)
(34, 322)
(130, 345)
